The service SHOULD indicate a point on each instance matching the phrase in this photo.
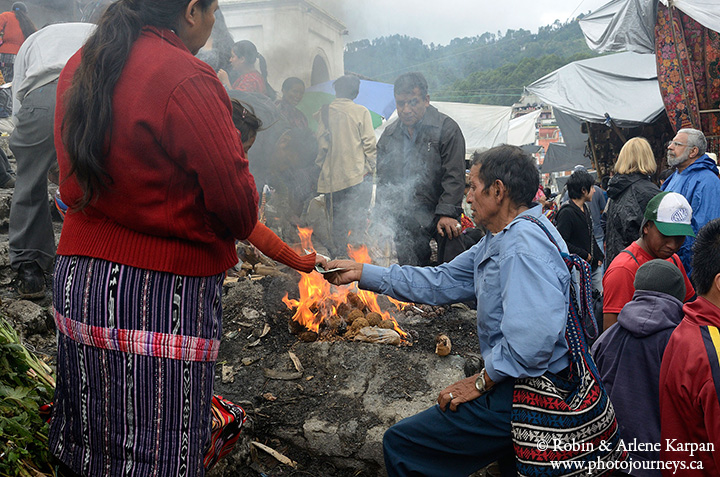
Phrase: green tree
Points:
(488, 68)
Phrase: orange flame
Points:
(361, 255)
(319, 299)
(306, 238)
(398, 304)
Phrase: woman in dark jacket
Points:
(629, 191)
(574, 221)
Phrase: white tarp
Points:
(483, 126)
(621, 25)
(523, 129)
(623, 85)
(628, 25)
(705, 12)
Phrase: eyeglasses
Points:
(411, 103)
(676, 144)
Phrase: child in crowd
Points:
(628, 355)
(665, 225)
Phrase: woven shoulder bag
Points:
(565, 425)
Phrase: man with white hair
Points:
(696, 178)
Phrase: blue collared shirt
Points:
(522, 288)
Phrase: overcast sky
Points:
(439, 21)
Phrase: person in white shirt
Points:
(347, 153)
(37, 68)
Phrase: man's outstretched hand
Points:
(349, 272)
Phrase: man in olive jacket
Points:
(421, 176)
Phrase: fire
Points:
(319, 300)
(400, 305)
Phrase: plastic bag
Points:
(374, 334)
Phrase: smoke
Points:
(400, 208)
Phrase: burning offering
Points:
(328, 312)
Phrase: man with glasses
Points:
(696, 178)
(421, 176)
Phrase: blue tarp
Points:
(375, 96)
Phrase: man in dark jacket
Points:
(629, 354)
(421, 176)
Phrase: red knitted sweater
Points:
(181, 191)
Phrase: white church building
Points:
(296, 37)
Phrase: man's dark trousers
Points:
(436, 443)
(32, 142)
(412, 243)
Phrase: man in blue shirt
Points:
(521, 285)
(696, 178)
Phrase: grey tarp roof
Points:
(623, 85)
(571, 128)
(560, 157)
(563, 157)
(628, 25)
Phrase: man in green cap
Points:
(667, 221)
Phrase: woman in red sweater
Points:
(243, 58)
(159, 190)
(15, 27)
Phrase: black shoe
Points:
(31, 281)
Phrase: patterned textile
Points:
(146, 343)
(688, 59)
(550, 211)
(227, 421)
(574, 411)
(7, 66)
(133, 413)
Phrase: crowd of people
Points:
(171, 146)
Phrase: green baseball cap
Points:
(671, 213)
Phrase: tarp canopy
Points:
(565, 156)
(571, 128)
(621, 25)
(628, 25)
(483, 126)
(623, 85)
(523, 129)
(531, 148)
(560, 157)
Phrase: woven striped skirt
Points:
(135, 368)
